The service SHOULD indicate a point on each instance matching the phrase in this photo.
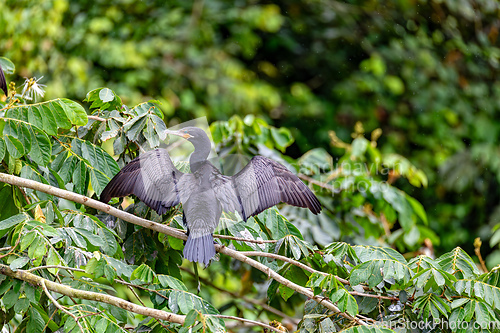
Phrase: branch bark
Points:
(17, 181)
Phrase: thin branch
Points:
(97, 118)
(56, 266)
(247, 240)
(253, 322)
(92, 296)
(17, 181)
(316, 182)
(355, 293)
(59, 306)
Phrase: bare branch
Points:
(247, 240)
(253, 322)
(89, 295)
(56, 266)
(96, 118)
(59, 306)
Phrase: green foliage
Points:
(57, 143)
(425, 72)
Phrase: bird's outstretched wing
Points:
(261, 184)
(153, 178)
(3, 82)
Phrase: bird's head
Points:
(190, 133)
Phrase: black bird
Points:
(205, 192)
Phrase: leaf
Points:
(21, 305)
(26, 240)
(2, 149)
(8, 66)
(74, 111)
(368, 329)
(6, 224)
(106, 95)
(19, 263)
(143, 273)
(41, 148)
(277, 224)
(53, 260)
(14, 146)
(285, 292)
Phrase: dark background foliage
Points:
(425, 72)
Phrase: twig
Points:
(316, 182)
(89, 295)
(355, 293)
(253, 322)
(56, 266)
(97, 118)
(59, 306)
(477, 250)
(243, 239)
(14, 180)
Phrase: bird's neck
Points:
(200, 154)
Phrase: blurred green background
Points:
(425, 72)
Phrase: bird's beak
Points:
(180, 133)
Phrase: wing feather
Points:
(153, 178)
(261, 184)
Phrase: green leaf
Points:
(2, 149)
(8, 66)
(10, 298)
(21, 305)
(27, 239)
(282, 138)
(53, 259)
(285, 292)
(171, 282)
(110, 273)
(74, 111)
(6, 224)
(19, 263)
(106, 95)
(41, 147)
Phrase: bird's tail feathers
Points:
(199, 249)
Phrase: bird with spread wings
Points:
(205, 192)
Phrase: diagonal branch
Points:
(18, 181)
(89, 295)
(59, 306)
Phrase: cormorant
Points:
(205, 192)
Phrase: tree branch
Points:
(89, 295)
(18, 181)
(242, 239)
(59, 306)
